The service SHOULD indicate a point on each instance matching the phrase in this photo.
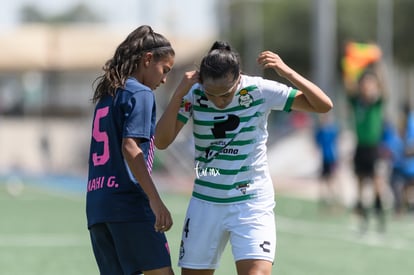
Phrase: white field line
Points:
(43, 240)
(389, 240)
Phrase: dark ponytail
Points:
(127, 57)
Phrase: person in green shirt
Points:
(367, 106)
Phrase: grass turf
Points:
(44, 232)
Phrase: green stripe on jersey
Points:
(231, 135)
(223, 157)
(222, 200)
(212, 122)
(198, 92)
(220, 186)
(233, 171)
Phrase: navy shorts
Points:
(365, 159)
(129, 247)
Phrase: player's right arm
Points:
(168, 126)
(136, 162)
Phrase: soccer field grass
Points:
(43, 232)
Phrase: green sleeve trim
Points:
(182, 118)
(289, 101)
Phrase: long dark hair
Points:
(127, 58)
(220, 61)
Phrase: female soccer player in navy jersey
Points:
(233, 196)
(126, 216)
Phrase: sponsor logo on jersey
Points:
(206, 171)
(186, 105)
(230, 151)
(264, 246)
(219, 142)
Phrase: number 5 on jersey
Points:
(100, 137)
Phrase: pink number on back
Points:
(100, 137)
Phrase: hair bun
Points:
(221, 45)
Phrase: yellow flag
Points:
(358, 56)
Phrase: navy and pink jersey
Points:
(113, 193)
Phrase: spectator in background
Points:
(409, 157)
(366, 104)
(326, 138)
(392, 148)
(398, 145)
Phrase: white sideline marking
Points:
(42, 240)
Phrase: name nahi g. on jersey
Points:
(99, 182)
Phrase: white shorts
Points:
(250, 227)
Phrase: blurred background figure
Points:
(409, 157)
(398, 148)
(392, 148)
(365, 93)
(326, 138)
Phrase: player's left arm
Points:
(310, 97)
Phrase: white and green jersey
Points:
(230, 144)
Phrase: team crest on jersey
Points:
(245, 99)
(243, 188)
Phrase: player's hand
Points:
(188, 80)
(163, 220)
(268, 59)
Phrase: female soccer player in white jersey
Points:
(233, 196)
